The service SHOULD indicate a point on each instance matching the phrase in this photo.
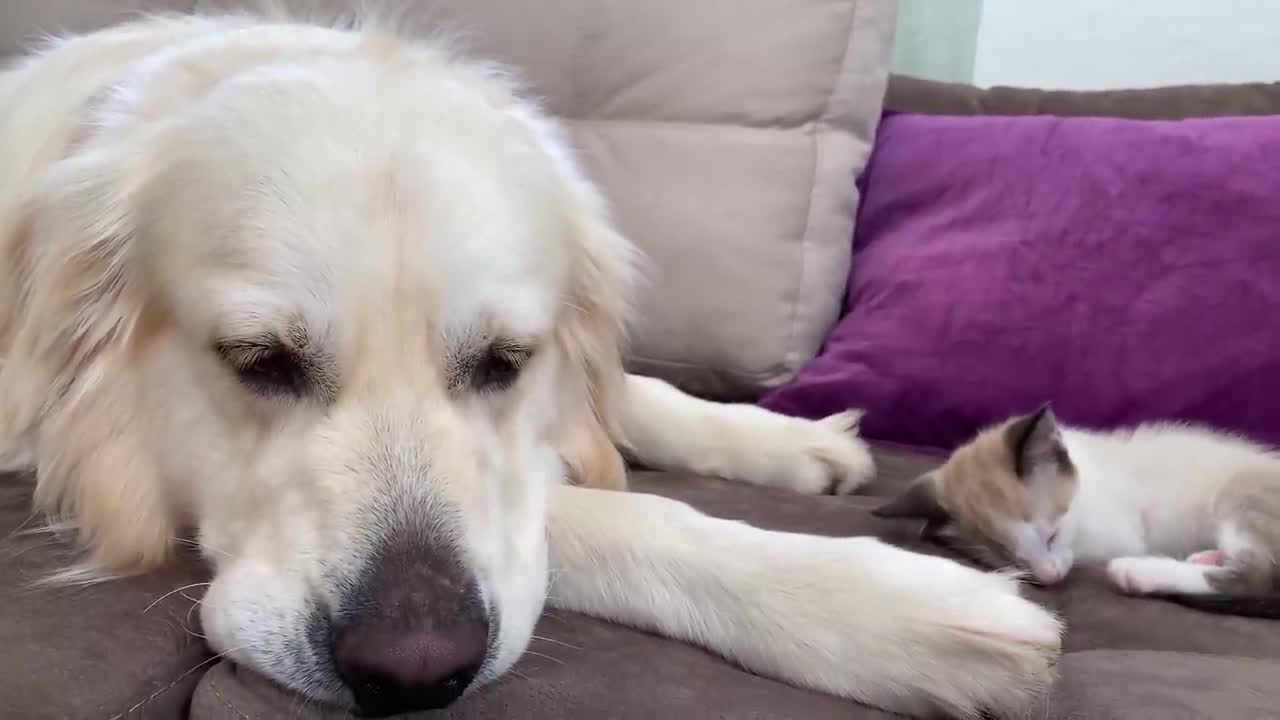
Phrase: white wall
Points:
(1096, 44)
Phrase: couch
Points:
(132, 648)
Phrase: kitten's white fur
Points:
(1153, 491)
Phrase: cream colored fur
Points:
(1169, 508)
(384, 206)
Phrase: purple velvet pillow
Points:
(1124, 270)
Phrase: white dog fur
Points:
(178, 194)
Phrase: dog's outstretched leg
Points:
(667, 429)
(850, 616)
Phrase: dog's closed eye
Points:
(266, 366)
(493, 368)
(498, 369)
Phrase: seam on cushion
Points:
(213, 688)
(697, 366)
(791, 355)
(753, 381)
(779, 127)
(1184, 653)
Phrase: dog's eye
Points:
(499, 368)
(266, 370)
(276, 371)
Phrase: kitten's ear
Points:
(919, 500)
(1035, 442)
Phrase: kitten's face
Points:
(1001, 498)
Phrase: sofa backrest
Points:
(910, 94)
(25, 22)
(727, 136)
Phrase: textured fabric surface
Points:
(910, 94)
(1139, 685)
(103, 652)
(1125, 657)
(1123, 270)
(96, 654)
(24, 23)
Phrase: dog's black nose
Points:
(412, 631)
(392, 671)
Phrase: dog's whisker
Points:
(175, 591)
(556, 660)
(203, 548)
(203, 663)
(186, 623)
(21, 528)
(543, 638)
(187, 620)
(51, 526)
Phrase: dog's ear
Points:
(592, 335)
(591, 332)
(68, 379)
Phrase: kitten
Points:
(1176, 511)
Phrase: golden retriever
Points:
(343, 306)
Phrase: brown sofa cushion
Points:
(103, 651)
(1126, 657)
(1139, 685)
(98, 652)
(910, 94)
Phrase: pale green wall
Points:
(1107, 44)
(937, 39)
(1089, 44)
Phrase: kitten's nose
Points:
(1047, 573)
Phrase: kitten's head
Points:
(1001, 498)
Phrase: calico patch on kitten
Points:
(1176, 511)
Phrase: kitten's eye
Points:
(265, 369)
(1053, 536)
(499, 368)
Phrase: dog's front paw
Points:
(914, 634)
(822, 456)
(813, 457)
(836, 445)
(980, 647)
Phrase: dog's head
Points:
(335, 315)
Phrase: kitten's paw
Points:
(1149, 575)
(1128, 576)
(1215, 558)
